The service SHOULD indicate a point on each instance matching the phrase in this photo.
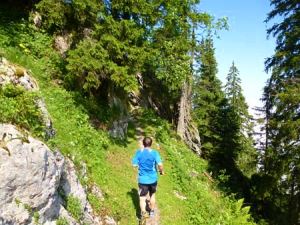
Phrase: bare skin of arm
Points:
(161, 169)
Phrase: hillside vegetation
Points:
(186, 194)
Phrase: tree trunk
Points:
(185, 128)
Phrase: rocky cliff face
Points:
(35, 182)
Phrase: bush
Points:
(18, 107)
(71, 14)
(74, 207)
(62, 221)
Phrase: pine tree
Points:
(246, 155)
(282, 103)
(208, 97)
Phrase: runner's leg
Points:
(152, 191)
(143, 204)
(152, 201)
(143, 192)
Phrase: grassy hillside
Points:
(109, 161)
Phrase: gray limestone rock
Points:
(49, 130)
(119, 128)
(32, 178)
(29, 177)
(12, 74)
(62, 43)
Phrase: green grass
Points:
(109, 162)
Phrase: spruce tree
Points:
(208, 97)
(245, 155)
(282, 103)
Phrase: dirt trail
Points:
(154, 220)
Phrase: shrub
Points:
(18, 107)
(74, 207)
(62, 221)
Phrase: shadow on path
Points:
(135, 200)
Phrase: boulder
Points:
(37, 19)
(49, 130)
(16, 75)
(29, 177)
(62, 43)
(71, 186)
(119, 128)
(35, 183)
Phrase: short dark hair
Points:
(147, 142)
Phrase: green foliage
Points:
(36, 217)
(90, 64)
(208, 97)
(286, 30)
(95, 202)
(30, 42)
(88, 60)
(74, 207)
(246, 154)
(74, 14)
(234, 92)
(281, 159)
(108, 62)
(19, 107)
(28, 208)
(62, 221)
(17, 201)
(173, 65)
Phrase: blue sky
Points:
(245, 43)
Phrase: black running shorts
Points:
(145, 188)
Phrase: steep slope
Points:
(185, 196)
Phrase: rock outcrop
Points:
(119, 128)
(35, 183)
(10, 73)
(62, 43)
(29, 178)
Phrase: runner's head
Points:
(147, 142)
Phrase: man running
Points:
(147, 160)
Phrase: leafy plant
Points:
(62, 221)
(19, 107)
(74, 207)
(36, 217)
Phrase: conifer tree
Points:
(208, 97)
(246, 155)
(282, 103)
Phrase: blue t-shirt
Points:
(146, 160)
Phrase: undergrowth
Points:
(19, 108)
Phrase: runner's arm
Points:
(159, 163)
(160, 168)
(135, 161)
